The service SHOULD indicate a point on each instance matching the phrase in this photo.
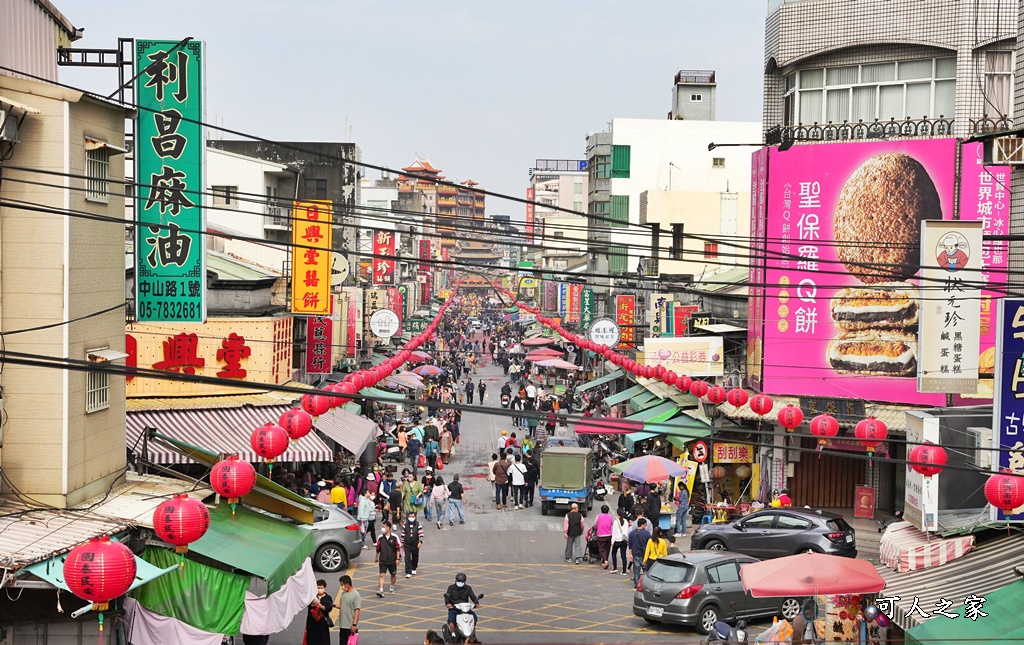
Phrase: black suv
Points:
(776, 532)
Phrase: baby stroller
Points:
(593, 552)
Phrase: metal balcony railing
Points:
(864, 130)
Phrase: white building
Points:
(559, 186)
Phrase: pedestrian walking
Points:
(469, 390)
(432, 450)
(403, 443)
(412, 496)
(414, 447)
(603, 528)
(626, 500)
(324, 494)
(439, 496)
(482, 390)
(620, 538)
(446, 444)
(318, 624)
(350, 604)
(682, 507)
(500, 470)
(428, 486)
(389, 555)
(490, 475)
(573, 531)
(657, 547)
(412, 541)
(517, 478)
(532, 476)
(652, 507)
(366, 515)
(338, 496)
(638, 539)
(455, 501)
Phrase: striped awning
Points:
(352, 431)
(987, 568)
(223, 431)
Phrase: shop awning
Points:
(680, 426)
(352, 431)
(223, 430)
(607, 378)
(266, 547)
(643, 401)
(631, 439)
(379, 394)
(52, 571)
(661, 412)
(624, 395)
(1004, 608)
(266, 495)
(988, 568)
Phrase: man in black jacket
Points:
(653, 506)
(458, 593)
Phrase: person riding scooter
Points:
(457, 593)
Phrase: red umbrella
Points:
(607, 425)
(547, 351)
(428, 370)
(420, 357)
(537, 342)
(810, 574)
(558, 364)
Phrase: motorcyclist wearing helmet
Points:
(458, 593)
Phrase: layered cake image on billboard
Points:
(877, 232)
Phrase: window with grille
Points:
(225, 196)
(600, 167)
(676, 250)
(97, 166)
(618, 261)
(620, 162)
(710, 250)
(316, 189)
(718, 162)
(97, 391)
(619, 211)
(998, 83)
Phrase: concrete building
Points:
(558, 186)
(250, 195)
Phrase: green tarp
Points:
(624, 395)
(634, 437)
(681, 426)
(643, 401)
(201, 596)
(607, 378)
(381, 394)
(656, 414)
(52, 571)
(1003, 623)
(261, 545)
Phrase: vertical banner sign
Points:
(311, 257)
(404, 302)
(682, 314)
(550, 296)
(446, 258)
(563, 299)
(424, 266)
(355, 319)
(756, 275)
(170, 250)
(383, 267)
(625, 315)
(529, 215)
(949, 335)
(319, 357)
(586, 308)
(573, 312)
(1008, 405)
(658, 305)
(374, 299)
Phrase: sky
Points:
(481, 89)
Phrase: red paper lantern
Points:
(928, 459)
(232, 479)
(180, 521)
(790, 417)
(871, 433)
(823, 427)
(670, 378)
(761, 404)
(358, 381)
(99, 571)
(269, 442)
(315, 404)
(716, 395)
(347, 390)
(659, 371)
(683, 383)
(297, 423)
(737, 397)
(1004, 491)
(698, 388)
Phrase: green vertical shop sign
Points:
(586, 309)
(170, 148)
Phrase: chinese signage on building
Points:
(586, 308)
(756, 274)
(659, 309)
(563, 300)
(1008, 408)
(170, 248)
(733, 453)
(572, 312)
(529, 216)
(550, 296)
(625, 316)
(383, 257)
(920, 493)
(354, 319)
(311, 257)
(373, 299)
(693, 356)
(845, 310)
(949, 337)
(319, 357)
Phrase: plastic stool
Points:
(707, 519)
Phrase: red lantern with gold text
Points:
(716, 395)
(269, 442)
(180, 521)
(761, 404)
(790, 417)
(698, 388)
(824, 426)
(1005, 491)
(871, 432)
(233, 479)
(737, 397)
(99, 571)
(297, 423)
(315, 404)
(928, 459)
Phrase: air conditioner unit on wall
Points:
(1005, 150)
(979, 441)
(8, 127)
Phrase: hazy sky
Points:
(482, 89)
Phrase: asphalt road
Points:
(514, 557)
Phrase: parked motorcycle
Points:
(465, 625)
(600, 491)
(723, 634)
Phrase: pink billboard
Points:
(841, 306)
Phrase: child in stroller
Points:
(593, 552)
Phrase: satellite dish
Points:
(339, 269)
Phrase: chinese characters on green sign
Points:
(170, 253)
(586, 309)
